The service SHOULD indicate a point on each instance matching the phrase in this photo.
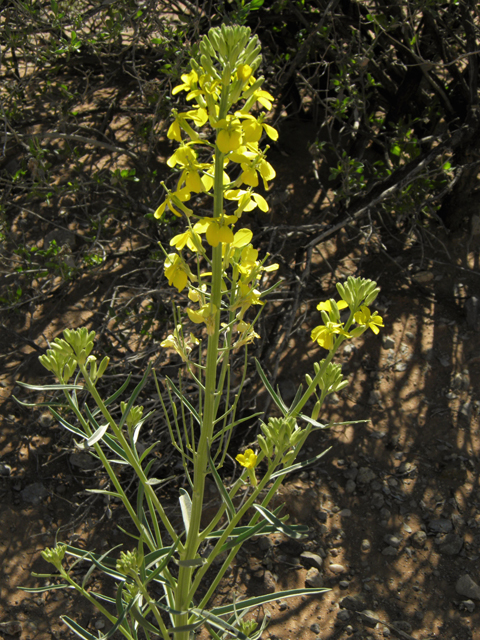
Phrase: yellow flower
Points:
(230, 135)
(244, 71)
(174, 131)
(369, 320)
(217, 230)
(247, 334)
(242, 238)
(325, 334)
(247, 459)
(188, 238)
(247, 200)
(263, 97)
(327, 305)
(189, 82)
(177, 341)
(174, 202)
(207, 314)
(254, 127)
(177, 271)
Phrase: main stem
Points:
(200, 468)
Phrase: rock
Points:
(314, 578)
(423, 277)
(401, 366)
(378, 500)
(337, 569)
(440, 525)
(366, 545)
(388, 342)
(11, 628)
(353, 603)
(374, 397)
(419, 539)
(467, 605)
(315, 627)
(100, 624)
(467, 587)
(312, 559)
(345, 513)
(269, 582)
(5, 469)
(351, 473)
(34, 493)
(369, 618)
(466, 409)
(344, 615)
(350, 486)
(265, 543)
(451, 544)
(83, 461)
(45, 419)
(390, 551)
(344, 584)
(393, 541)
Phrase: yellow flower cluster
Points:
(224, 90)
(357, 294)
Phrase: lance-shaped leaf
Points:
(144, 623)
(221, 488)
(297, 533)
(299, 465)
(119, 391)
(186, 507)
(50, 387)
(134, 396)
(98, 435)
(269, 597)
(49, 587)
(77, 629)
(278, 401)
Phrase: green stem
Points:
(183, 591)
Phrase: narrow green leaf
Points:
(297, 398)
(98, 435)
(270, 389)
(144, 623)
(219, 623)
(66, 425)
(119, 392)
(269, 597)
(134, 396)
(50, 587)
(186, 507)
(50, 387)
(194, 562)
(121, 622)
(184, 401)
(76, 628)
(299, 465)
(288, 531)
(221, 488)
(114, 494)
(313, 422)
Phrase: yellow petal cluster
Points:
(227, 104)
